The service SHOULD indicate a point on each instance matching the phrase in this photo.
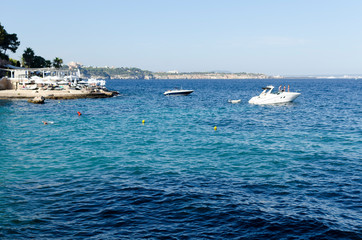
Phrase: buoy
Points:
(143, 122)
(215, 128)
(79, 113)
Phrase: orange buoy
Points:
(79, 113)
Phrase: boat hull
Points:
(178, 92)
(283, 97)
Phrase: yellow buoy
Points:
(215, 128)
(143, 122)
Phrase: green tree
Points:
(57, 62)
(31, 60)
(39, 62)
(14, 62)
(28, 57)
(7, 42)
(48, 63)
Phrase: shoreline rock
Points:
(37, 100)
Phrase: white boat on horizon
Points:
(234, 101)
(181, 92)
(268, 97)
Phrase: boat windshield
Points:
(267, 90)
(274, 91)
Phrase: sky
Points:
(274, 37)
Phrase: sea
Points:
(147, 166)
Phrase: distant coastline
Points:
(136, 73)
(209, 75)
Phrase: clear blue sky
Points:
(286, 37)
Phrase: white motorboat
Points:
(182, 92)
(268, 97)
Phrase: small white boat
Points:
(268, 97)
(182, 92)
(234, 101)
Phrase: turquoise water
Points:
(277, 172)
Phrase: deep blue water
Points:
(269, 172)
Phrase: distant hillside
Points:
(136, 73)
(208, 75)
(115, 73)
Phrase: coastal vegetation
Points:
(30, 60)
(57, 62)
(116, 73)
(7, 42)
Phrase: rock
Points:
(5, 84)
(37, 100)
